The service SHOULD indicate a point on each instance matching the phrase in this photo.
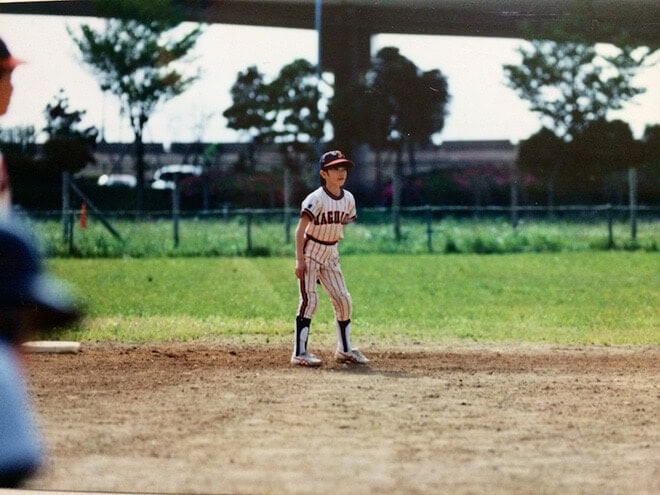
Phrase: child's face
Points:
(335, 176)
(5, 91)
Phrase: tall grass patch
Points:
(238, 235)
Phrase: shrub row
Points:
(237, 236)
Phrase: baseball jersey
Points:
(328, 214)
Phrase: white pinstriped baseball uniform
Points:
(328, 214)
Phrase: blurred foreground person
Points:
(31, 301)
(7, 65)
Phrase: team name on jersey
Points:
(331, 217)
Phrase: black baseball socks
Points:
(344, 335)
(302, 334)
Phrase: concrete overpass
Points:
(348, 25)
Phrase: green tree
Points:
(395, 106)
(651, 145)
(137, 57)
(605, 147)
(249, 111)
(650, 181)
(283, 111)
(294, 105)
(570, 79)
(542, 155)
(570, 84)
(602, 152)
(69, 146)
(19, 149)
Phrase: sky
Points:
(482, 107)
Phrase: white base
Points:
(54, 346)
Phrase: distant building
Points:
(374, 169)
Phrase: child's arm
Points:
(300, 245)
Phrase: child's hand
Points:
(300, 269)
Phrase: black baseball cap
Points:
(333, 159)
(24, 284)
(7, 60)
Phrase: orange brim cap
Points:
(7, 60)
(337, 162)
(11, 63)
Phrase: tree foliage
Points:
(541, 154)
(571, 84)
(605, 147)
(69, 146)
(250, 104)
(651, 145)
(295, 104)
(137, 57)
(394, 104)
(570, 79)
(283, 110)
(137, 63)
(414, 101)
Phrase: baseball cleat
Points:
(354, 356)
(306, 359)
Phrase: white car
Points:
(165, 176)
(117, 180)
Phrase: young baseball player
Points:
(30, 300)
(323, 215)
(7, 65)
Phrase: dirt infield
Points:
(222, 418)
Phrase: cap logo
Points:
(334, 157)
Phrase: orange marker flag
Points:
(83, 216)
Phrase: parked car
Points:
(165, 176)
(117, 180)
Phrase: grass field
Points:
(569, 298)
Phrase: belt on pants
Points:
(325, 243)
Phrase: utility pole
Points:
(319, 69)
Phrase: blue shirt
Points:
(20, 448)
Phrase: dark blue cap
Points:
(334, 159)
(25, 284)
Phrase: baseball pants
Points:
(323, 267)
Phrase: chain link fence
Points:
(87, 232)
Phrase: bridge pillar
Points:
(346, 52)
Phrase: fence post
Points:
(94, 209)
(429, 228)
(610, 232)
(70, 230)
(176, 209)
(514, 201)
(632, 194)
(66, 206)
(248, 223)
